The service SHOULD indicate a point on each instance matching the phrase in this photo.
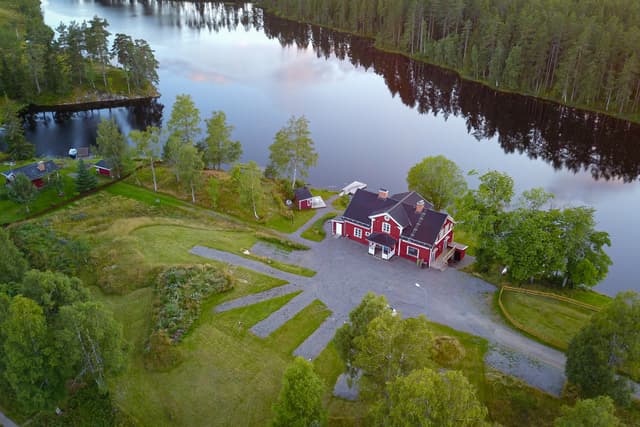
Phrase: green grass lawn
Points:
(274, 214)
(556, 320)
(227, 376)
(316, 232)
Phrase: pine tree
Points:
(85, 180)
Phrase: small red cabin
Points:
(38, 173)
(103, 168)
(303, 198)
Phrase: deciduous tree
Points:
(91, 341)
(12, 262)
(370, 307)
(51, 290)
(219, 148)
(391, 347)
(247, 179)
(147, 145)
(24, 353)
(300, 401)
(438, 179)
(292, 151)
(113, 147)
(22, 191)
(429, 398)
(189, 167)
(598, 412)
(608, 343)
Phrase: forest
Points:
(582, 53)
(40, 66)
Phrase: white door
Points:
(338, 229)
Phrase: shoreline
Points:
(74, 107)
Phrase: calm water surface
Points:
(372, 115)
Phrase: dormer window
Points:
(386, 227)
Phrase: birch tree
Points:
(147, 145)
(248, 183)
(292, 151)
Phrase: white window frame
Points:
(415, 249)
(357, 232)
(367, 234)
(386, 227)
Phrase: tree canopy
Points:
(218, 146)
(37, 63)
(113, 147)
(147, 145)
(610, 342)
(300, 401)
(22, 191)
(438, 179)
(85, 179)
(12, 263)
(598, 412)
(428, 398)
(292, 152)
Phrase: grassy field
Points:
(555, 320)
(272, 210)
(316, 232)
(227, 376)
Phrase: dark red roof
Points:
(422, 228)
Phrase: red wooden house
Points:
(38, 172)
(402, 224)
(103, 168)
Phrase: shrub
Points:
(448, 350)
(180, 292)
(47, 250)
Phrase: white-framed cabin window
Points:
(357, 232)
(411, 251)
(386, 227)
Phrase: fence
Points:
(551, 341)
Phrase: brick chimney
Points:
(41, 166)
(383, 193)
(419, 206)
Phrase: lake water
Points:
(373, 115)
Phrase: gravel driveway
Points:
(345, 273)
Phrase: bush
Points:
(448, 350)
(180, 292)
(46, 250)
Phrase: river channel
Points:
(373, 114)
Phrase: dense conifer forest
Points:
(584, 53)
(39, 66)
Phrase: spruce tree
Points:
(85, 180)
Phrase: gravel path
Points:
(6, 421)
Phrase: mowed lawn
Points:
(555, 319)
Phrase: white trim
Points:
(445, 235)
(386, 227)
(371, 217)
(415, 249)
(406, 242)
(357, 232)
